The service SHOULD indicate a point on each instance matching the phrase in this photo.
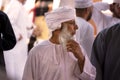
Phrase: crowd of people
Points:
(59, 44)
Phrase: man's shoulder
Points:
(3, 17)
(41, 49)
(113, 29)
(110, 31)
(41, 46)
(43, 43)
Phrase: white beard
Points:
(64, 36)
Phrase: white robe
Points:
(15, 58)
(48, 61)
(85, 35)
(101, 20)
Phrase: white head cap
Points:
(116, 1)
(83, 3)
(56, 17)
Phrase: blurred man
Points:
(7, 41)
(106, 54)
(21, 24)
(103, 21)
(60, 57)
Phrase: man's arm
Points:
(98, 54)
(101, 6)
(84, 69)
(14, 19)
(98, 17)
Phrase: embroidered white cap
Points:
(59, 15)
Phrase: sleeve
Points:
(29, 25)
(13, 19)
(89, 71)
(8, 36)
(29, 70)
(101, 6)
(98, 16)
(98, 54)
(88, 39)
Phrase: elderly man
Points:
(60, 57)
(103, 21)
(85, 33)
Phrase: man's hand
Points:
(74, 47)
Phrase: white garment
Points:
(101, 20)
(85, 35)
(48, 61)
(15, 58)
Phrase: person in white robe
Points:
(60, 57)
(3, 4)
(15, 60)
(103, 20)
(85, 32)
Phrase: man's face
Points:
(70, 26)
(116, 10)
(68, 30)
